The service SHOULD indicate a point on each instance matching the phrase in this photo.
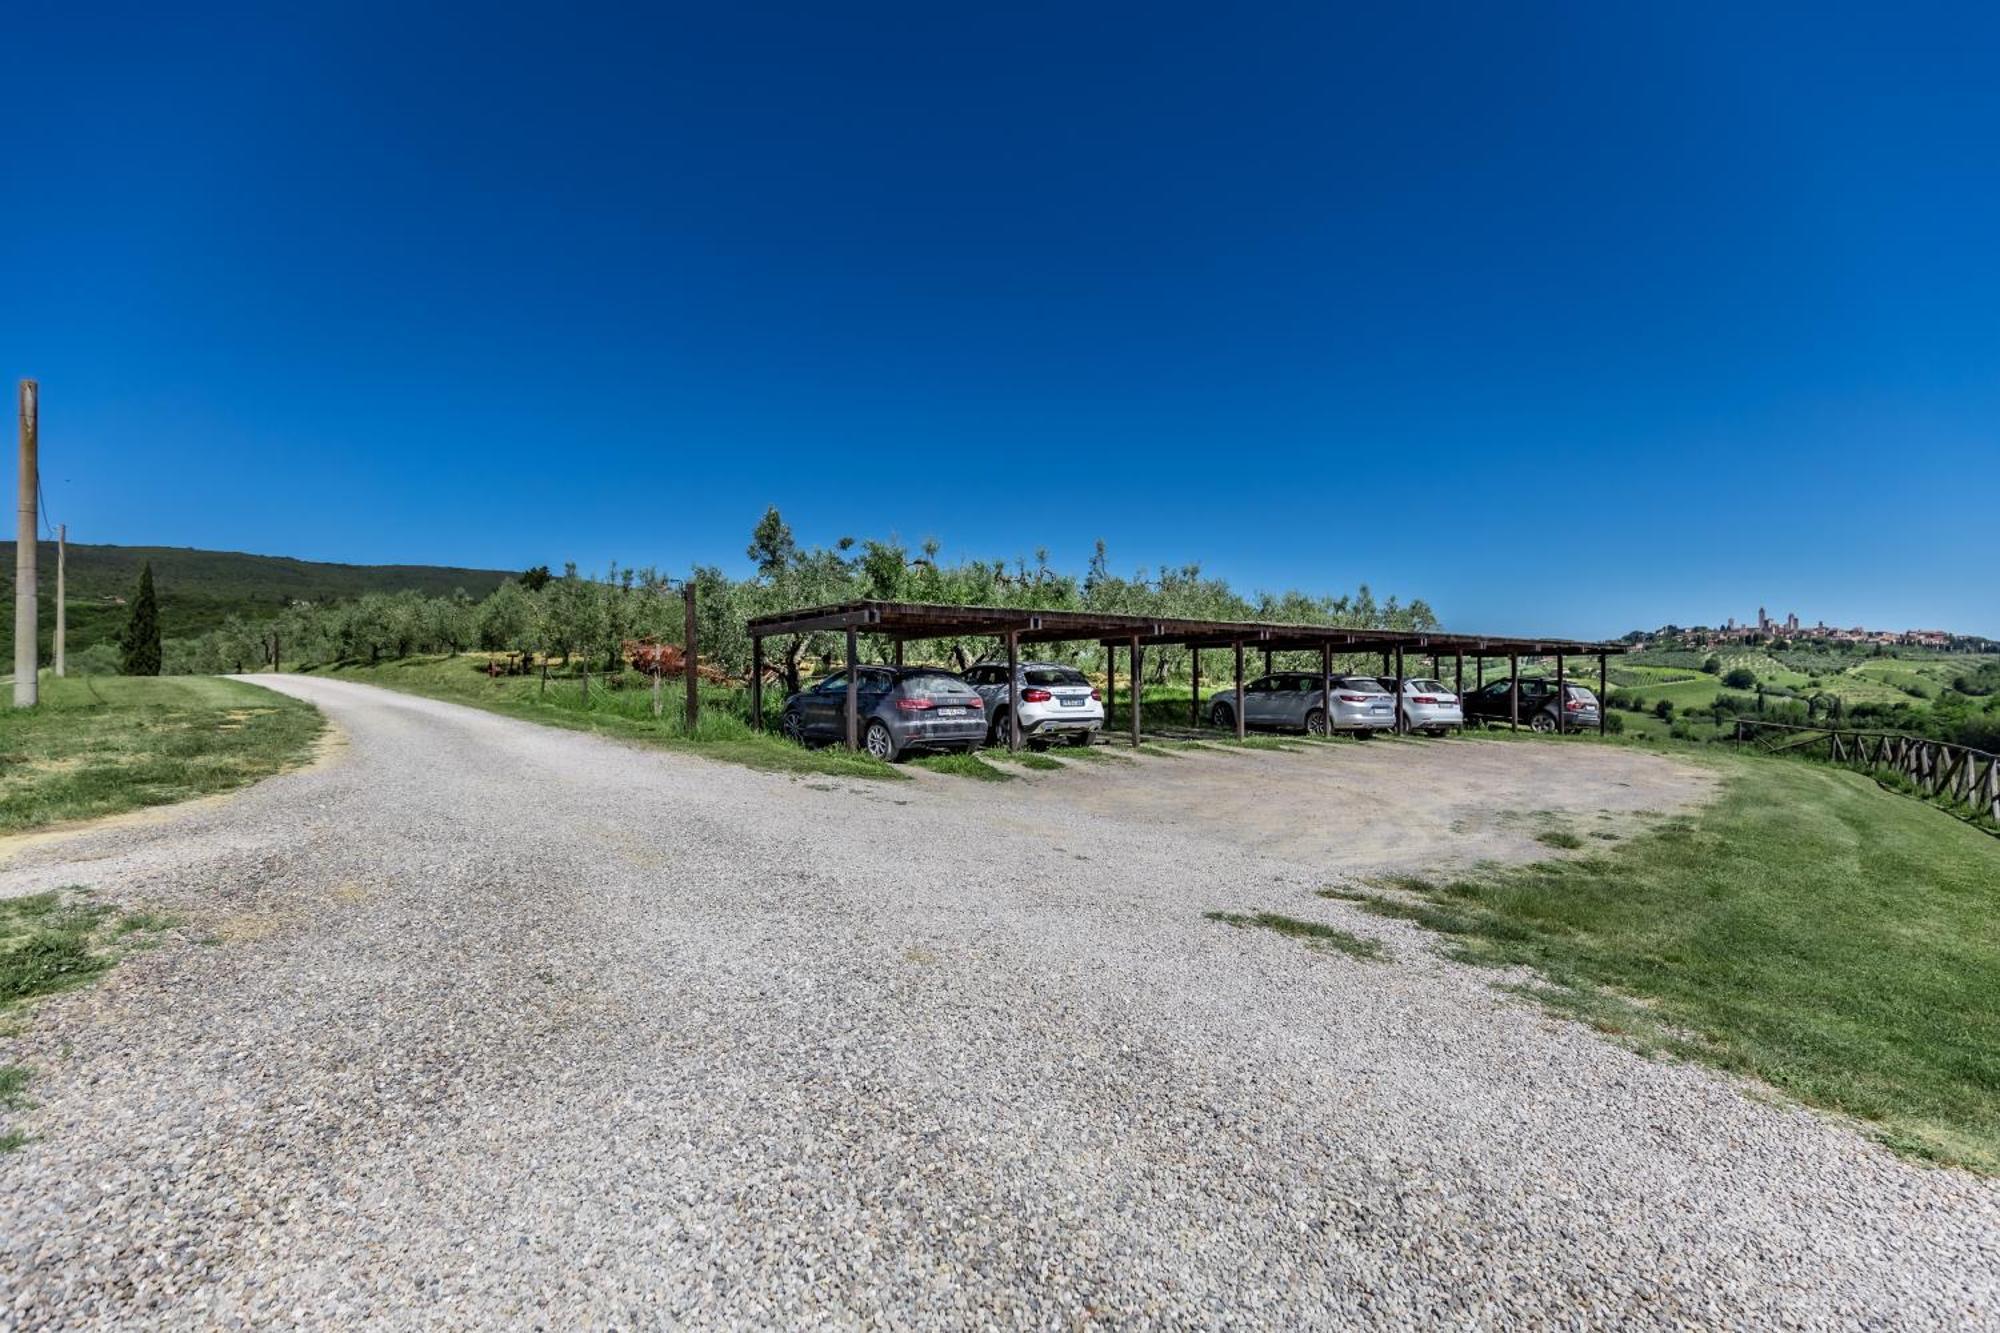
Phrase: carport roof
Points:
(931, 620)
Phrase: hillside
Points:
(199, 590)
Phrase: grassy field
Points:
(625, 711)
(1837, 941)
(106, 745)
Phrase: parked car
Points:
(901, 709)
(1296, 701)
(1579, 710)
(1428, 705)
(1056, 701)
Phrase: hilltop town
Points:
(1768, 630)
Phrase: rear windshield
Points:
(1430, 687)
(1578, 692)
(1054, 676)
(935, 685)
(1363, 683)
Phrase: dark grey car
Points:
(900, 708)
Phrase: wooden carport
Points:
(900, 622)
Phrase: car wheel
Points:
(1542, 722)
(1316, 722)
(1222, 715)
(793, 727)
(997, 733)
(880, 742)
(1082, 740)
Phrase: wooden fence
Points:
(1955, 774)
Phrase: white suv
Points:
(1056, 700)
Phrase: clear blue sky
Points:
(1569, 319)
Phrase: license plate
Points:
(1379, 708)
(951, 712)
(1073, 701)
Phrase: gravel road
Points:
(504, 1026)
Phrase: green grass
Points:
(1561, 838)
(627, 711)
(100, 746)
(964, 766)
(1026, 759)
(45, 944)
(1312, 932)
(1809, 929)
(50, 942)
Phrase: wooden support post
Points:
(1194, 693)
(1603, 695)
(1013, 689)
(852, 709)
(1562, 698)
(757, 682)
(690, 660)
(1267, 661)
(1138, 688)
(1110, 686)
(899, 652)
(1459, 685)
(1402, 715)
(1241, 698)
(1514, 692)
(1326, 687)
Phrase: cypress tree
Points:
(141, 640)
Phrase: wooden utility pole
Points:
(27, 685)
(62, 619)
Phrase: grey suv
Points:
(1538, 704)
(1056, 700)
(901, 709)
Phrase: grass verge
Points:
(962, 765)
(1808, 929)
(1313, 933)
(102, 746)
(624, 709)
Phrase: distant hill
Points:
(198, 590)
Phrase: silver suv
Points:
(1296, 701)
(1056, 701)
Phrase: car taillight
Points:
(915, 705)
(1036, 696)
(1354, 698)
(1097, 694)
(975, 702)
(1423, 698)
(1576, 705)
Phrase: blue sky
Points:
(1569, 319)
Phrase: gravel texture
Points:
(507, 1027)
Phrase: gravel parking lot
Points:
(503, 1026)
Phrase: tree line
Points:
(584, 621)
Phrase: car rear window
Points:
(1054, 676)
(936, 685)
(1363, 683)
(1430, 687)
